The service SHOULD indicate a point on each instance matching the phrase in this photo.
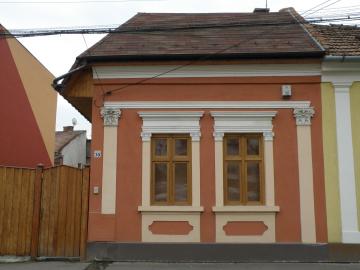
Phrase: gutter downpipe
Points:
(55, 81)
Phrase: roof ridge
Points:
(302, 22)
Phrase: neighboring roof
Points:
(63, 138)
(172, 35)
(338, 40)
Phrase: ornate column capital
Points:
(145, 136)
(218, 136)
(303, 116)
(268, 135)
(195, 136)
(342, 87)
(111, 116)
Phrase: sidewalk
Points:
(175, 266)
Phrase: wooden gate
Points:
(43, 212)
(16, 210)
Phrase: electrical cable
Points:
(322, 3)
(206, 57)
(331, 4)
(48, 32)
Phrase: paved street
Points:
(175, 266)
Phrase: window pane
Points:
(180, 147)
(233, 181)
(180, 174)
(160, 147)
(160, 182)
(253, 181)
(253, 146)
(232, 146)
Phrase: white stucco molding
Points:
(268, 135)
(207, 104)
(238, 70)
(243, 122)
(111, 116)
(341, 74)
(303, 116)
(145, 136)
(218, 136)
(171, 122)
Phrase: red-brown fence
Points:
(43, 212)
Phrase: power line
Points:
(107, 30)
(337, 8)
(331, 4)
(203, 58)
(322, 3)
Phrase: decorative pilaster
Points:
(269, 168)
(347, 183)
(306, 184)
(111, 120)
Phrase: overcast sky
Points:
(57, 53)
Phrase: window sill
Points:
(245, 208)
(167, 208)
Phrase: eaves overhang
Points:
(200, 57)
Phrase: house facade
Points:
(204, 130)
(27, 122)
(71, 147)
(340, 98)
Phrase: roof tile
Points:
(338, 40)
(204, 34)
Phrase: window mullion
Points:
(171, 170)
(243, 170)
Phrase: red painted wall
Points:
(126, 224)
(21, 142)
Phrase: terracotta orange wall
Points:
(126, 224)
(21, 142)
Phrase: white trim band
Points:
(194, 71)
(207, 104)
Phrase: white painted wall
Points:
(75, 152)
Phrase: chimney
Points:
(68, 128)
(261, 10)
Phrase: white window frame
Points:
(170, 122)
(244, 122)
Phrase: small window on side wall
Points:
(243, 169)
(170, 170)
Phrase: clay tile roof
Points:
(175, 34)
(62, 138)
(338, 40)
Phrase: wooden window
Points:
(171, 170)
(243, 169)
